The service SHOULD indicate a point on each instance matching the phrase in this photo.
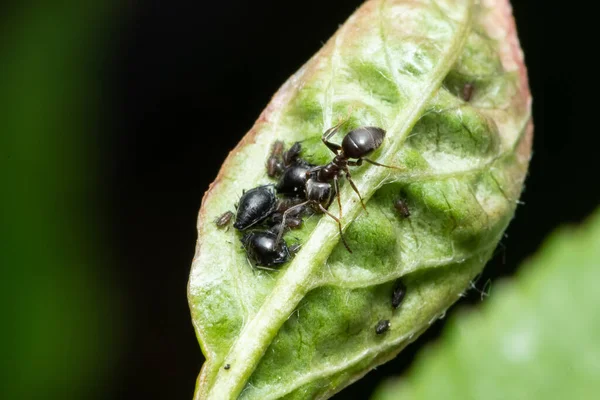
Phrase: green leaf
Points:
(308, 330)
(538, 337)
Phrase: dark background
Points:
(180, 84)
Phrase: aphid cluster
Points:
(301, 188)
(260, 210)
(398, 294)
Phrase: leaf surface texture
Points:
(308, 330)
(537, 337)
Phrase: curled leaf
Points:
(446, 81)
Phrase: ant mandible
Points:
(357, 144)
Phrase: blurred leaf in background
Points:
(538, 337)
(59, 323)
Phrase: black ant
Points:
(357, 144)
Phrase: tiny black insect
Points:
(264, 249)
(224, 219)
(398, 294)
(467, 91)
(227, 366)
(255, 206)
(401, 206)
(382, 326)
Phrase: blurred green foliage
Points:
(538, 337)
(58, 322)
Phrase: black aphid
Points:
(398, 294)
(264, 249)
(224, 219)
(382, 326)
(401, 206)
(255, 206)
(292, 182)
(227, 366)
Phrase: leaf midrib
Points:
(294, 283)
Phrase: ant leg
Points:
(324, 210)
(356, 163)
(382, 165)
(335, 148)
(349, 177)
(337, 193)
(285, 214)
(264, 268)
(295, 248)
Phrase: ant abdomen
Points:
(362, 141)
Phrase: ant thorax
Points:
(319, 192)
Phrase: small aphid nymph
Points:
(382, 326)
(401, 206)
(224, 219)
(398, 294)
(274, 163)
(227, 366)
(291, 156)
